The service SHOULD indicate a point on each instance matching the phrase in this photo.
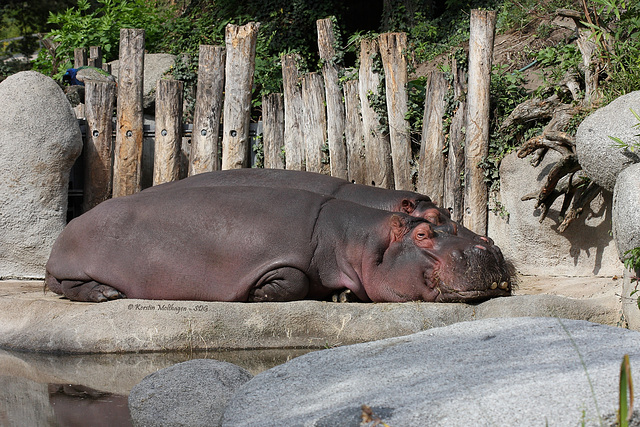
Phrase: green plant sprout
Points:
(626, 393)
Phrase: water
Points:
(91, 390)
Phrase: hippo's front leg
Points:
(90, 291)
(281, 284)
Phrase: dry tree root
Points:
(564, 178)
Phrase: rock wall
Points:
(586, 248)
(40, 140)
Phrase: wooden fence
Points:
(319, 124)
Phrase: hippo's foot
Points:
(91, 291)
(344, 296)
(281, 284)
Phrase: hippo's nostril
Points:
(480, 247)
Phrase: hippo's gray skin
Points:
(265, 244)
(414, 204)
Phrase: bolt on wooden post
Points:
(168, 137)
(97, 152)
(205, 156)
(240, 44)
(481, 36)
(129, 130)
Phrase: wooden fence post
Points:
(205, 156)
(273, 130)
(353, 133)
(392, 50)
(168, 137)
(79, 57)
(431, 166)
(314, 129)
(481, 36)
(293, 139)
(240, 62)
(99, 100)
(453, 185)
(335, 107)
(377, 147)
(95, 56)
(129, 132)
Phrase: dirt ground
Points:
(572, 287)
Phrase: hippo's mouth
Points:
(451, 294)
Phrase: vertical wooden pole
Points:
(129, 131)
(205, 156)
(481, 35)
(453, 184)
(240, 62)
(168, 138)
(431, 164)
(353, 133)
(335, 107)
(314, 127)
(79, 57)
(376, 140)
(95, 56)
(293, 139)
(392, 50)
(273, 130)
(99, 99)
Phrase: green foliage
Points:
(84, 27)
(625, 410)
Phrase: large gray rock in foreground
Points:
(585, 248)
(626, 205)
(40, 140)
(599, 157)
(516, 372)
(192, 393)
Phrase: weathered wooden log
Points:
(392, 50)
(273, 130)
(314, 123)
(79, 57)
(333, 94)
(376, 135)
(431, 164)
(205, 155)
(240, 43)
(129, 131)
(168, 136)
(353, 133)
(293, 140)
(453, 177)
(95, 56)
(99, 98)
(481, 36)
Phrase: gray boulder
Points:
(192, 393)
(155, 66)
(522, 371)
(626, 205)
(40, 140)
(585, 248)
(599, 157)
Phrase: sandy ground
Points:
(573, 287)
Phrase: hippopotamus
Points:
(243, 243)
(412, 203)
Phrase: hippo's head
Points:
(424, 262)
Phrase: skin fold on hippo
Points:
(248, 244)
(409, 202)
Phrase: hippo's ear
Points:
(408, 206)
(423, 235)
(398, 227)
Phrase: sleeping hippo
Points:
(412, 203)
(265, 244)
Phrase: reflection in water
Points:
(91, 390)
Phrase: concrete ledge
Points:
(31, 320)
